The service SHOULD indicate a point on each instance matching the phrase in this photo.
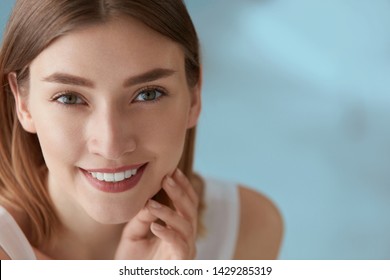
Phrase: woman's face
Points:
(105, 99)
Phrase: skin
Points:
(261, 227)
(113, 126)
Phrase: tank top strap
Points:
(12, 239)
(221, 219)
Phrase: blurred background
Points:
(296, 105)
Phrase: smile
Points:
(114, 180)
(114, 177)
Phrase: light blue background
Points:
(296, 105)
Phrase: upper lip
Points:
(115, 169)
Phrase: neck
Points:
(83, 238)
(80, 236)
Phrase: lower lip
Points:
(115, 187)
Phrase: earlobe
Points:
(21, 105)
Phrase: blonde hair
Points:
(33, 25)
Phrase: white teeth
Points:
(128, 174)
(114, 177)
(119, 176)
(100, 176)
(109, 177)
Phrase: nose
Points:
(110, 134)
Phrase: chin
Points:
(112, 220)
(113, 215)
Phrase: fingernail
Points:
(170, 182)
(154, 204)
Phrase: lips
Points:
(109, 185)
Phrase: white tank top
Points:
(220, 218)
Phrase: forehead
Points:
(121, 45)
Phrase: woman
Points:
(99, 104)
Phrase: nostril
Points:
(111, 148)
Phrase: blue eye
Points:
(149, 95)
(69, 99)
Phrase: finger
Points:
(181, 200)
(172, 220)
(182, 180)
(139, 226)
(182, 249)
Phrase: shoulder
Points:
(261, 226)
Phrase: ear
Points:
(21, 104)
(196, 104)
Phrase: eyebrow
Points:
(149, 76)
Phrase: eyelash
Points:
(64, 94)
(160, 90)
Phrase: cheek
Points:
(174, 137)
(57, 138)
(165, 135)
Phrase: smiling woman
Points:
(98, 113)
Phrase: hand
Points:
(143, 238)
